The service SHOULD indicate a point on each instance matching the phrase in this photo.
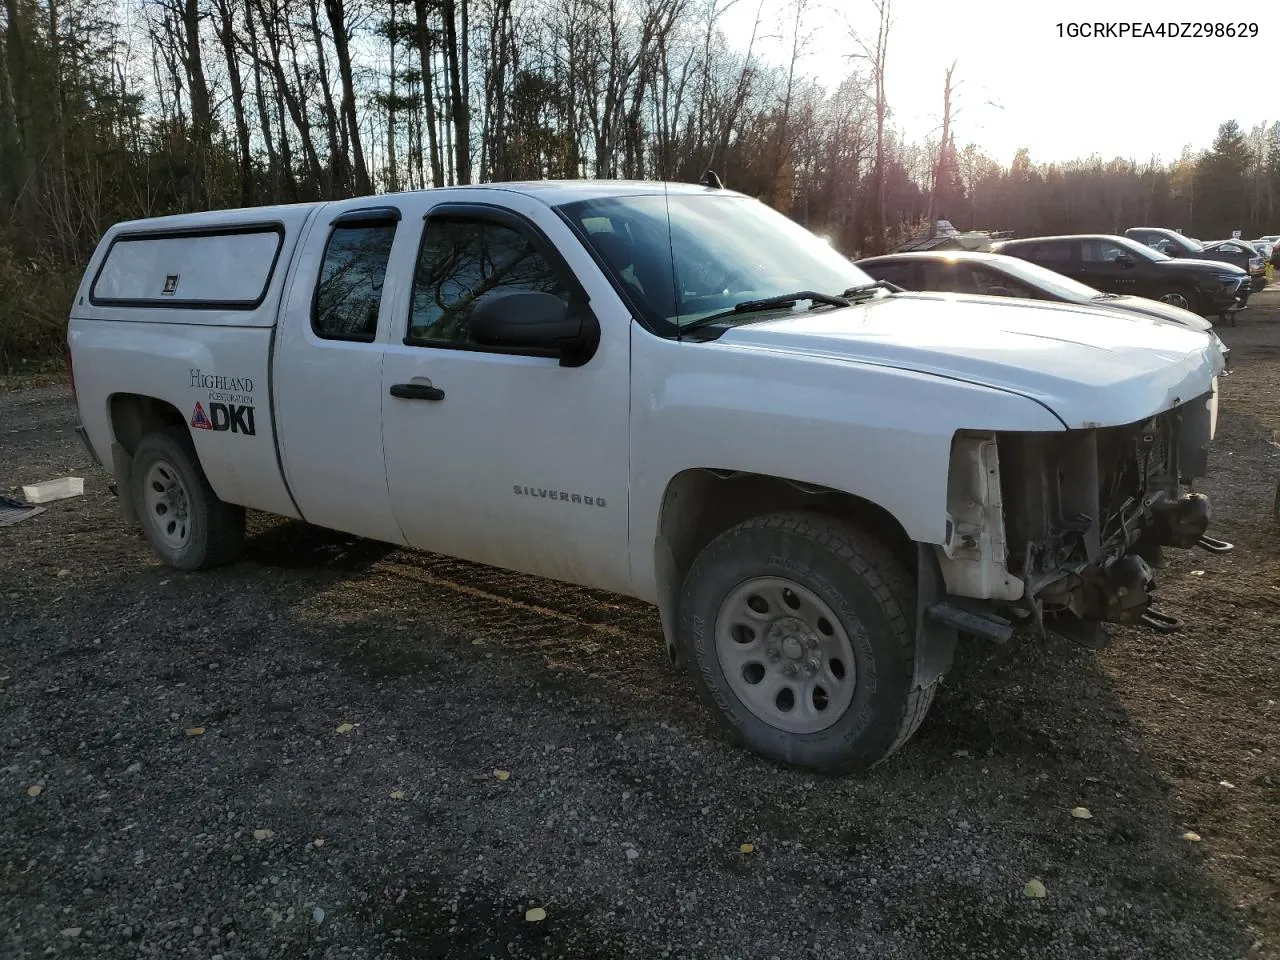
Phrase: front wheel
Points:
(186, 523)
(1178, 298)
(800, 628)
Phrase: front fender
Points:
(879, 433)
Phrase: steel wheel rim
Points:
(1176, 300)
(165, 498)
(785, 654)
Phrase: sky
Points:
(1020, 84)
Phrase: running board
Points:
(980, 623)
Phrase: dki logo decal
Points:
(225, 416)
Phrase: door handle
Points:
(416, 391)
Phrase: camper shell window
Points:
(227, 268)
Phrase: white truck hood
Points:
(1090, 367)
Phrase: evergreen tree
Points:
(1223, 175)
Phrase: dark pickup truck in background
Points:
(1125, 266)
(1236, 252)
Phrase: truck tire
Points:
(800, 629)
(188, 526)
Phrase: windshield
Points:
(723, 249)
(1045, 279)
(1140, 249)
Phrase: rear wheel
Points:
(186, 523)
(800, 630)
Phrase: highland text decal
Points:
(548, 494)
(223, 389)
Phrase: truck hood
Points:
(1200, 263)
(1090, 367)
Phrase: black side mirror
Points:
(1124, 260)
(533, 320)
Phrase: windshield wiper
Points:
(867, 289)
(768, 303)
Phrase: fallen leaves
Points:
(344, 728)
(397, 794)
(747, 848)
(263, 834)
(70, 931)
(318, 842)
(1035, 890)
(535, 914)
(1227, 784)
(195, 731)
(1191, 836)
(34, 790)
(502, 774)
(1081, 813)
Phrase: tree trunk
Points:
(198, 93)
(457, 103)
(264, 114)
(428, 90)
(393, 184)
(339, 180)
(338, 24)
(226, 36)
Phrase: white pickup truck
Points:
(668, 391)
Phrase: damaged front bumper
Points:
(1065, 531)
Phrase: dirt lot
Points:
(624, 812)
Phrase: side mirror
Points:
(999, 292)
(1124, 260)
(533, 320)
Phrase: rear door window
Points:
(349, 291)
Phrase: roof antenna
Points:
(709, 179)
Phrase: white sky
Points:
(1062, 98)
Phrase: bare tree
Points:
(876, 55)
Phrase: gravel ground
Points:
(337, 749)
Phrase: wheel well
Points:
(133, 416)
(700, 504)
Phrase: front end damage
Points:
(1065, 531)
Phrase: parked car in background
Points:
(1274, 257)
(1174, 244)
(997, 275)
(1125, 266)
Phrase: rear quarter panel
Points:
(188, 354)
(183, 366)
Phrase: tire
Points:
(186, 523)
(849, 597)
(1180, 297)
